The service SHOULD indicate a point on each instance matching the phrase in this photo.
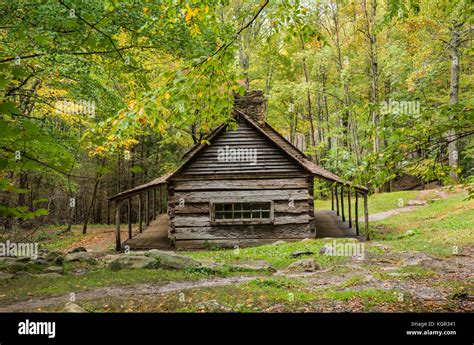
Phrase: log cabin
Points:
(242, 186)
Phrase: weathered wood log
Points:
(241, 195)
(311, 220)
(245, 184)
(295, 206)
(243, 231)
(204, 221)
(229, 243)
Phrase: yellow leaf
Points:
(195, 30)
(142, 109)
(200, 94)
(167, 95)
(146, 11)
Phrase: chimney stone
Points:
(253, 104)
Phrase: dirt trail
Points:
(122, 291)
(382, 215)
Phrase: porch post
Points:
(147, 207)
(366, 217)
(337, 200)
(118, 242)
(357, 212)
(332, 198)
(160, 209)
(154, 203)
(129, 218)
(342, 203)
(140, 211)
(349, 206)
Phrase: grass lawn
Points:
(279, 256)
(440, 228)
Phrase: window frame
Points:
(250, 221)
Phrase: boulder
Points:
(77, 250)
(133, 261)
(81, 256)
(40, 261)
(23, 259)
(54, 269)
(277, 243)
(304, 265)
(417, 203)
(212, 265)
(73, 308)
(407, 234)
(326, 249)
(254, 266)
(11, 264)
(212, 306)
(54, 257)
(307, 240)
(21, 274)
(49, 275)
(5, 276)
(299, 253)
(173, 261)
(111, 257)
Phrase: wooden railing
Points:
(337, 204)
(155, 203)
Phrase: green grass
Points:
(21, 288)
(370, 298)
(379, 202)
(353, 281)
(277, 255)
(440, 228)
(409, 272)
(253, 296)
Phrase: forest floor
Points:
(421, 260)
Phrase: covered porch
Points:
(153, 215)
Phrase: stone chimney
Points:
(253, 104)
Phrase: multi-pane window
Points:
(242, 211)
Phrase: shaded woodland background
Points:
(100, 96)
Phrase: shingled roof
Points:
(267, 131)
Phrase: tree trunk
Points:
(93, 200)
(372, 37)
(308, 97)
(453, 100)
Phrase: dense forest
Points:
(100, 96)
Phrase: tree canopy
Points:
(100, 96)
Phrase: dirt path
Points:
(122, 291)
(382, 215)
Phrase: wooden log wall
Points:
(190, 213)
